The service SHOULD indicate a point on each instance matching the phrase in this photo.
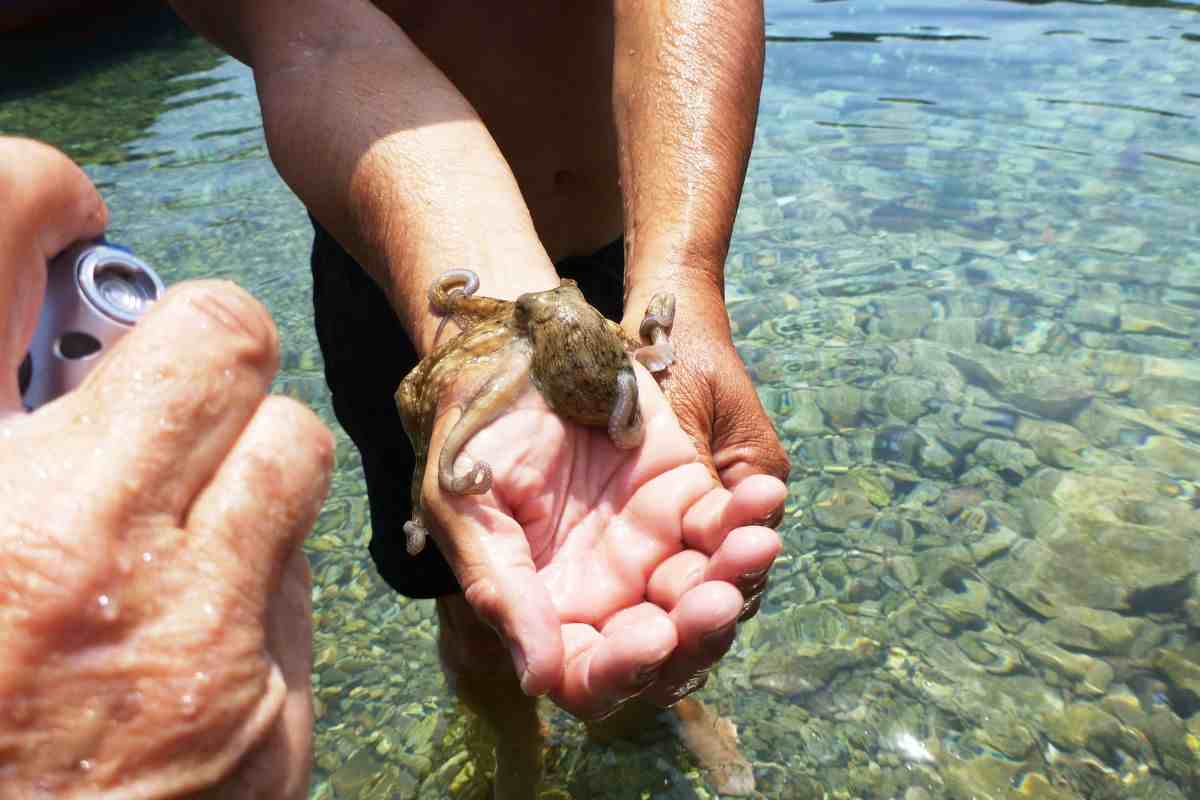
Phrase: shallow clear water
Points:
(966, 276)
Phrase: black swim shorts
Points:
(367, 354)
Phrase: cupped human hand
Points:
(154, 601)
(712, 394)
(713, 397)
(610, 573)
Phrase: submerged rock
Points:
(352, 777)
(1055, 443)
(1109, 425)
(839, 508)
(802, 417)
(1157, 318)
(1084, 726)
(1182, 675)
(1181, 415)
(1032, 387)
(1096, 631)
(842, 405)
(981, 778)
(809, 667)
(1170, 455)
(1007, 458)
(1102, 540)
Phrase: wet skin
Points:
(540, 55)
(553, 340)
(614, 117)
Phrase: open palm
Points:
(610, 573)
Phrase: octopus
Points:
(578, 360)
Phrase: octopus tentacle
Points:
(451, 284)
(495, 398)
(415, 535)
(463, 282)
(625, 421)
(660, 316)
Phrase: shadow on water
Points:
(93, 86)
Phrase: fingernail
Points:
(520, 665)
(681, 691)
(647, 675)
(232, 309)
(753, 577)
(720, 638)
(750, 608)
(771, 519)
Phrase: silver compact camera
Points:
(95, 294)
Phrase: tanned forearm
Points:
(381, 148)
(686, 80)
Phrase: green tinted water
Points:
(966, 276)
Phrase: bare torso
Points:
(539, 73)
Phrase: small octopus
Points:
(576, 358)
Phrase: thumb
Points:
(48, 203)
(694, 406)
(490, 557)
(517, 605)
(744, 440)
(731, 430)
(488, 552)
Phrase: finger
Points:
(264, 499)
(514, 603)
(744, 441)
(489, 554)
(745, 558)
(711, 518)
(673, 578)
(743, 471)
(706, 619)
(173, 396)
(605, 670)
(48, 203)
(280, 765)
(653, 513)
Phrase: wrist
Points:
(505, 273)
(699, 301)
(365, 170)
(699, 287)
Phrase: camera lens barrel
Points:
(95, 294)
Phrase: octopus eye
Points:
(532, 308)
(523, 310)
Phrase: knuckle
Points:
(752, 604)
(481, 595)
(56, 579)
(46, 193)
(304, 428)
(779, 465)
(231, 310)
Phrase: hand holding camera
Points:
(155, 605)
(95, 293)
